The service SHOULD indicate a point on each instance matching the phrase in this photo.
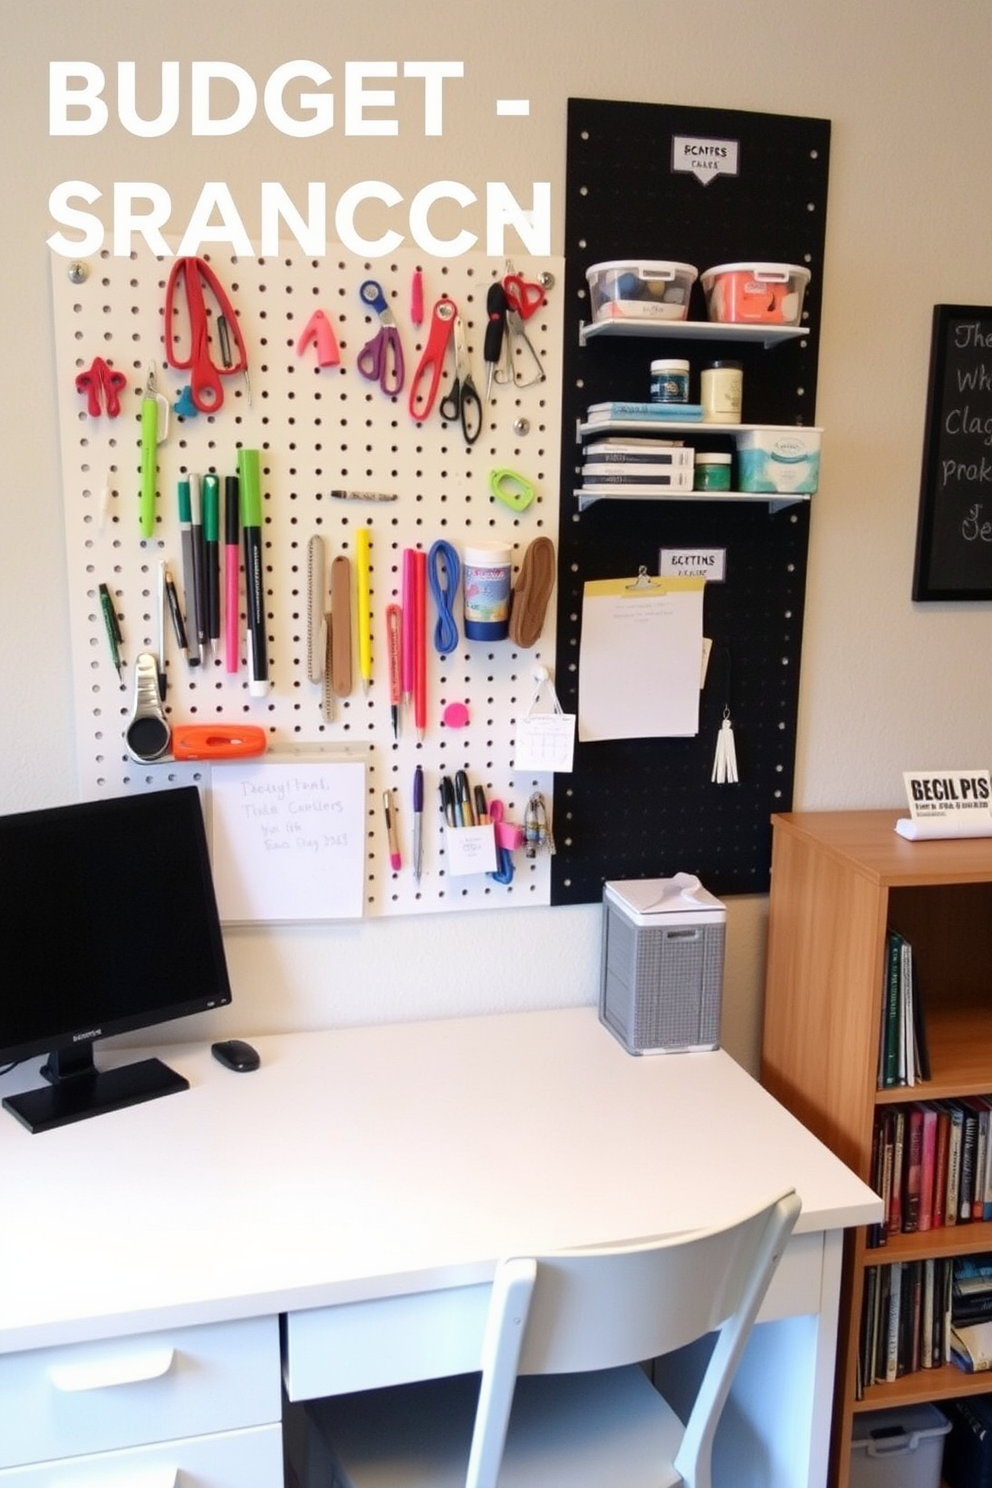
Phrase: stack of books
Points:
(905, 1319)
(902, 1047)
(932, 1165)
(971, 1313)
(636, 467)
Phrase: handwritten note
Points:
(288, 839)
(954, 543)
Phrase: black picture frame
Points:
(954, 525)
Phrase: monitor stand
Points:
(78, 1089)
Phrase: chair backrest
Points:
(620, 1304)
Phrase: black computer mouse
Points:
(235, 1054)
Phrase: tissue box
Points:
(661, 982)
(779, 461)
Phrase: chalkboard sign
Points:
(954, 533)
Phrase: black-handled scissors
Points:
(462, 402)
(381, 359)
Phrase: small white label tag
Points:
(704, 158)
(545, 741)
(694, 563)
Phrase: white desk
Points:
(362, 1184)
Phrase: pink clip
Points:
(318, 330)
(508, 834)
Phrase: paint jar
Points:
(711, 472)
(721, 392)
(486, 591)
(669, 381)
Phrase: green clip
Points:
(510, 488)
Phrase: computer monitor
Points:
(108, 923)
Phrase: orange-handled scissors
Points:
(195, 276)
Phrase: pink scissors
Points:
(206, 388)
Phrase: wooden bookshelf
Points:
(840, 881)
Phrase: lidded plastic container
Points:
(755, 293)
(632, 289)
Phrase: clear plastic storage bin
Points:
(755, 293)
(628, 289)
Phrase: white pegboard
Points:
(318, 429)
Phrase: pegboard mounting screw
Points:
(77, 272)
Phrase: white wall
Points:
(885, 684)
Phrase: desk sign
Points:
(950, 796)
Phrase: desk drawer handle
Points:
(101, 1374)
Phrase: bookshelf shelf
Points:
(840, 881)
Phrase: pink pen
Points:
(395, 860)
(408, 630)
(232, 563)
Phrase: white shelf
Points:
(661, 427)
(587, 495)
(689, 330)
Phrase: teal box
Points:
(779, 462)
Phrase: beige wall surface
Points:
(886, 684)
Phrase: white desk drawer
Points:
(123, 1392)
(389, 1341)
(234, 1459)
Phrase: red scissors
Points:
(195, 276)
(432, 362)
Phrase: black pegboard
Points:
(647, 807)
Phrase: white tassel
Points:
(725, 760)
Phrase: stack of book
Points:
(636, 467)
(902, 1048)
(905, 1319)
(971, 1313)
(932, 1165)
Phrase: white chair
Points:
(563, 1400)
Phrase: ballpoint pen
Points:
(418, 821)
(249, 475)
(394, 640)
(161, 628)
(178, 626)
(363, 587)
(395, 861)
(112, 627)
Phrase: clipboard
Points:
(639, 657)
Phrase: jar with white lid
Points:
(669, 380)
(711, 471)
(721, 392)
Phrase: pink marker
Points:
(408, 631)
(232, 564)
